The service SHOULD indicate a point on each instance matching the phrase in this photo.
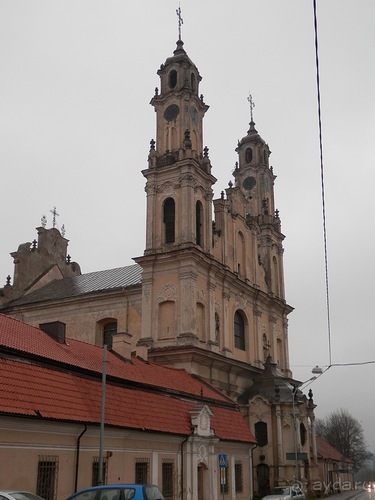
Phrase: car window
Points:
(129, 493)
(110, 494)
(280, 491)
(86, 495)
(152, 493)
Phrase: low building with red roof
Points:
(162, 425)
(335, 470)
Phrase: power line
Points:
(322, 183)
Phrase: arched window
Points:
(200, 322)
(275, 277)
(172, 79)
(280, 357)
(199, 223)
(169, 220)
(248, 155)
(167, 315)
(193, 82)
(239, 331)
(266, 347)
(241, 254)
(261, 434)
(217, 327)
(303, 433)
(108, 330)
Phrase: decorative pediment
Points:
(201, 420)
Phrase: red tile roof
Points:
(325, 450)
(34, 388)
(27, 339)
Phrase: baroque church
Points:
(207, 295)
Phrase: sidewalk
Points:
(346, 495)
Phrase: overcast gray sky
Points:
(75, 125)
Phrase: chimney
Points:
(142, 351)
(121, 344)
(55, 329)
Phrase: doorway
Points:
(202, 482)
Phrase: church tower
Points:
(179, 180)
(212, 290)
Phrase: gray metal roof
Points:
(111, 279)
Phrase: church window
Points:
(108, 330)
(199, 223)
(261, 434)
(302, 433)
(167, 314)
(193, 82)
(248, 155)
(280, 357)
(169, 220)
(266, 346)
(239, 331)
(172, 80)
(241, 254)
(200, 322)
(275, 276)
(217, 327)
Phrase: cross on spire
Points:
(55, 214)
(252, 105)
(180, 21)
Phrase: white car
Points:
(285, 493)
(18, 495)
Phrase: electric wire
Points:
(322, 183)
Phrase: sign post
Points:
(223, 464)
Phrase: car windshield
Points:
(280, 491)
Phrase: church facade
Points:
(207, 295)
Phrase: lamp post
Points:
(102, 416)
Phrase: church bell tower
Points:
(212, 290)
(179, 180)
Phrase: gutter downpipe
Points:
(252, 470)
(77, 458)
(182, 466)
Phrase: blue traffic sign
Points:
(223, 463)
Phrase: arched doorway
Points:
(202, 470)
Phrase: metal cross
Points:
(252, 105)
(55, 214)
(180, 21)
